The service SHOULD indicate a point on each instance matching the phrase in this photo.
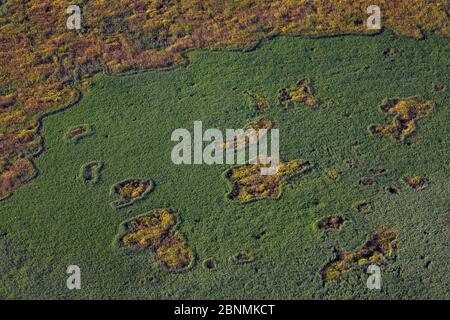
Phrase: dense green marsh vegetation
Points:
(58, 220)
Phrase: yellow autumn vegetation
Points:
(405, 112)
(156, 231)
(416, 182)
(382, 246)
(249, 184)
(130, 191)
(261, 104)
(301, 93)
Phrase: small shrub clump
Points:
(363, 207)
(333, 222)
(377, 171)
(130, 191)
(416, 182)
(156, 231)
(382, 246)
(77, 133)
(249, 184)
(405, 112)
(301, 93)
(243, 257)
(91, 172)
(366, 182)
(332, 174)
(261, 104)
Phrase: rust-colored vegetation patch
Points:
(260, 103)
(249, 184)
(77, 133)
(416, 182)
(7, 101)
(301, 93)
(405, 112)
(366, 182)
(439, 88)
(173, 253)
(131, 190)
(377, 171)
(242, 257)
(333, 222)
(16, 174)
(46, 65)
(260, 124)
(156, 232)
(363, 207)
(382, 246)
(90, 172)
